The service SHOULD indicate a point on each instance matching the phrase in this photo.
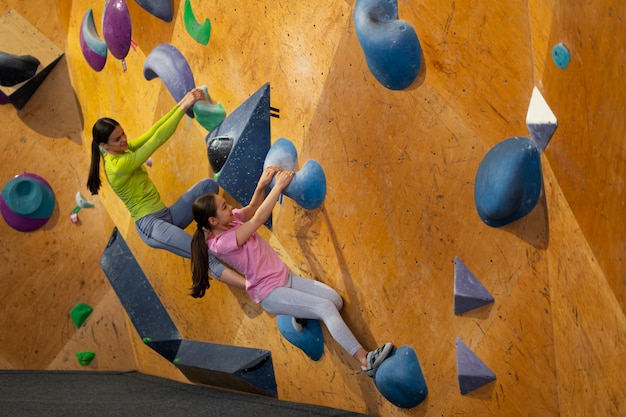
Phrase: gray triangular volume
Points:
(540, 120)
(469, 293)
(471, 371)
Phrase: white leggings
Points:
(309, 299)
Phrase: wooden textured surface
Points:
(400, 167)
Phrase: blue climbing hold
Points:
(400, 379)
(308, 186)
(508, 182)
(310, 339)
(391, 46)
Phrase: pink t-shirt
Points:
(255, 259)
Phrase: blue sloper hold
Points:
(310, 340)
(232, 367)
(308, 186)
(471, 371)
(391, 46)
(469, 293)
(159, 8)
(249, 127)
(400, 379)
(508, 182)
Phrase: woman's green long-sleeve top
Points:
(127, 173)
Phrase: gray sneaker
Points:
(376, 357)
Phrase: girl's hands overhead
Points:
(267, 175)
(283, 178)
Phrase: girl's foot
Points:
(376, 357)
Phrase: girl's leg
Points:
(313, 287)
(292, 302)
(181, 210)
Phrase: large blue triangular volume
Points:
(469, 293)
(231, 367)
(471, 371)
(143, 306)
(249, 127)
(540, 120)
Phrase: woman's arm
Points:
(283, 178)
(232, 278)
(145, 145)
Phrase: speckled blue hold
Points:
(310, 340)
(508, 182)
(400, 380)
(391, 46)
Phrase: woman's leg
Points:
(181, 209)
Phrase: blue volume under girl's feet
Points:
(310, 339)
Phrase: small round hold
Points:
(560, 55)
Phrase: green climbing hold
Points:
(176, 360)
(85, 358)
(79, 313)
(147, 339)
(200, 32)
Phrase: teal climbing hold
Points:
(560, 55)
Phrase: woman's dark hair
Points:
(100, 132)
(203, 207)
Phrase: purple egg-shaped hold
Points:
(168, 63)
(94, 49)
(116, 27)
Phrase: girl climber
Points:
(231, 234)
(158, 226)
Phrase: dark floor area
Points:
(104, 394)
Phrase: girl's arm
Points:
(243, 233)
(259, 193)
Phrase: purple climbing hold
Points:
(472, 372)
(168, 63)
(116, 27)
(469, 293)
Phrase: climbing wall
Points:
(400, 167)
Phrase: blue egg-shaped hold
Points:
(508, 182)
(391, 47)
(400, 379)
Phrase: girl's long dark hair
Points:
(203, 208)
(100, 132)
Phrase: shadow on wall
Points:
(54, 98)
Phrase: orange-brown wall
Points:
(400, 167)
